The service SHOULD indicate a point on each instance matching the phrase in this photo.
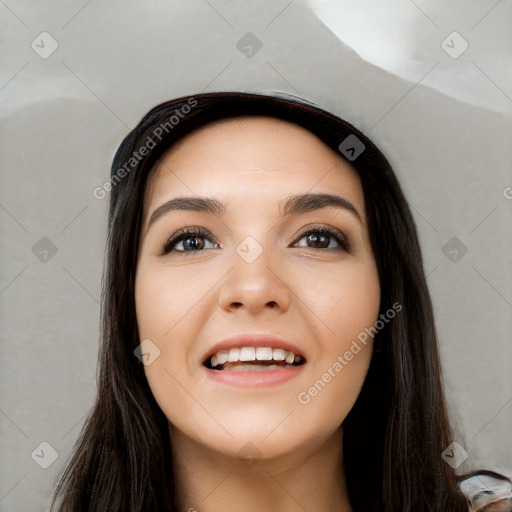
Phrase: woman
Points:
(268, 340)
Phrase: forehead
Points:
(259, 136)
(253, 131)
(245, 154)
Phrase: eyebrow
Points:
(294, 205)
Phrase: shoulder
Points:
(487, 491)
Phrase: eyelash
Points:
(197, 232)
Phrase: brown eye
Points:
(321, 238)
(192, 240)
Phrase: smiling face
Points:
(261, 266)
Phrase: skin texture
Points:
(319, 297)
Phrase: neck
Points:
(310, 479)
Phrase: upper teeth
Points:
(253, 354)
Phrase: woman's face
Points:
(261, 268)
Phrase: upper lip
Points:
(253, 340)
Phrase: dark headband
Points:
(167, 122)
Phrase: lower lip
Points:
(254, 378)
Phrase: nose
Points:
(255, 287)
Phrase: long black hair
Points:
(394, 435)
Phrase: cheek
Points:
(166, 300)
(346, 304)
(346, 299)
(165, 315)
(160, 303)
(171, 306)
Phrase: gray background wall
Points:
(441, 112)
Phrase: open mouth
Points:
(253, 359)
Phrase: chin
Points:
(251, 448)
